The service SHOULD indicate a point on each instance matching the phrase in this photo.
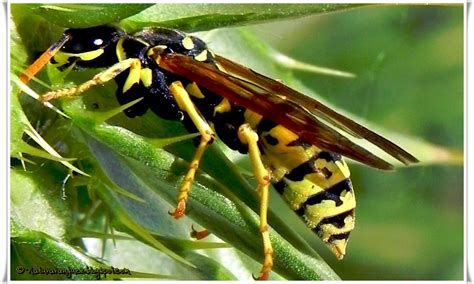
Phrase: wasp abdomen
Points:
(315, 183)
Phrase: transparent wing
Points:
(285, 106)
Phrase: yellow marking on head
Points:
(202, 56)
(146, 76)
(134, 75)
(90, 55)
(222, 107)
(193, 90)
(63, 57)
(121, 55)
(187, 43)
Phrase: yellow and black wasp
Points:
(286, 134)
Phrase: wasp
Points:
(291, 139)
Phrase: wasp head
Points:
(88, 48)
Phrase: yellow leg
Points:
(98, 79)
(207, 135)
(249, 137)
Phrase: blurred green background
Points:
(409, 66)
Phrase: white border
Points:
(468, 155)
(250, 1)
(5, 145)
(468, 123)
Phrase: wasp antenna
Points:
(39, 63)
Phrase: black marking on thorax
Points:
(227, 125)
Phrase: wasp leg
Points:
(249, 137)
(99, 79)
(199, 235)
(207, 135)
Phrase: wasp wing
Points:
(318, 109)
(285, 106)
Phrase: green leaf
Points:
(38, 256)
(33, 204)
(82, 16)
(192, 17)
(34, 251)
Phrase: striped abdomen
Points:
(315, 183)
